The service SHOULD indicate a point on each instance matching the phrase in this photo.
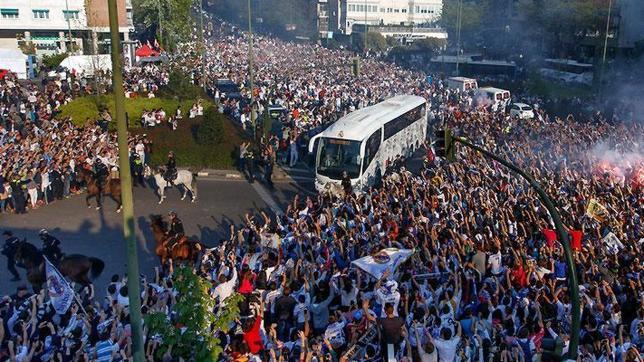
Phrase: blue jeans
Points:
(294, 156)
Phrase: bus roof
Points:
(462, 79)
(493, 89)
(360, 124)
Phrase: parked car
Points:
(521, 110)
(228, 89)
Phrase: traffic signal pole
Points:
(134, 291)
(562, 234)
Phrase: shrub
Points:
(195, 326)
(181, 86)
(211, 130)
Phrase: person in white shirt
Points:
(426, 351)
(446, 344)
(334, 332)
(225, 288)
(495, 263)
(387, 294)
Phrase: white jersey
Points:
(384, 297)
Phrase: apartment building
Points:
(79, 26)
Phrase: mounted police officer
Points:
(100, 173)
(170, 169)
(9, 250)
(50, 246)
(175, 231)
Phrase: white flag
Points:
(613, 244)
(60, 293)
(389, 258)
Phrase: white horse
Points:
(184, 178)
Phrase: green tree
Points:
(53, 60)
(564, 24)
(170, 20)
(472, 14)
(192, 333)
(430, 44)
(375, 41)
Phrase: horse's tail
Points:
(97, 266)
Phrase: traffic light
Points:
(355, 67)
(444, 145)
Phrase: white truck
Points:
(461, 83)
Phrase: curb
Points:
(278, 174)
(219, 173)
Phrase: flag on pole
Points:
(61, 293)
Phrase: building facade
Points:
(57, 26)
(343, 14)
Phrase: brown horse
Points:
(185, 249)
(112, 187)
(75, 267)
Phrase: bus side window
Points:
(371, 148)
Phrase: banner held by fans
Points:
(389, 258)
(60, 293)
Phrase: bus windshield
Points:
(338, 155)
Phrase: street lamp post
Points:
(562, 234)
(134, 292)
(458, 33)
(69, 25)
(250, 72)
(603, 68)
(203, 46)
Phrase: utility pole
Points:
(603, 68)
(69, 25)
(458, 34)
(365, 26)
(250, 71)
(134, 292)
(562, 235)
(203, 46)
(159, 16)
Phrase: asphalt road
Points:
(99, 233)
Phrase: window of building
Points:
(70, 14)
(352, 7)
(389, 10)
(41, 13)
(396, 10)
(9, 13)
(404, 10)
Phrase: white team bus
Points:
(363, 142)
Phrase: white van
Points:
(499, 97)
(462, 83)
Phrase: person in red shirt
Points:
(247, 281)
(252, 336)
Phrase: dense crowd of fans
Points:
(487, 279)
(41, 150)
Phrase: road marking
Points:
(268, 199)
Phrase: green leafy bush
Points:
(211, 129)
(192, 336)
